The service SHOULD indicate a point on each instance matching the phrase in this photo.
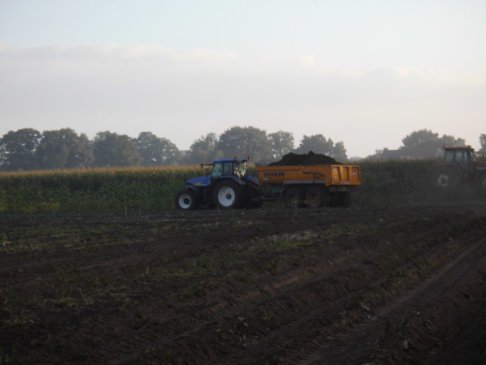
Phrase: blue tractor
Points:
(227, 187)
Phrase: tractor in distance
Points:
(461, 167)
(299, 180)
(227, 187)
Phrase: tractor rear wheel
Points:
(186, 200)
(292, 198)
(448, 179)
(227, 195)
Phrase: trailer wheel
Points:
(292, 198)
(186, 200)
(314, 197)
(227, 195)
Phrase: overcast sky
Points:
(363, 72)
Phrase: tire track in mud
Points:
(328, 319)
(200, 329)
(297, 300)
(436, 308)
(320, 319)
(369, 332)
(44, 279)
(176, 244)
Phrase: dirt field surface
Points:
(271, 286)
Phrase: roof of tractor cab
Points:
(460, 148)
(220, 160)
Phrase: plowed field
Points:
(271, 286)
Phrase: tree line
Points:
(424, 144)
(30, 149)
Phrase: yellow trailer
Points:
(310, 185)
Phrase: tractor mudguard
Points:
(200, 181)
(232, 178)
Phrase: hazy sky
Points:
(363, 72)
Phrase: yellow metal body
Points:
(328, 175)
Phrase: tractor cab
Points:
(461, 166)
(228, 167)
(462, 157)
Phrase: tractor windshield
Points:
(217, 169)
(449, 156)
(230, 168)
(222, 169)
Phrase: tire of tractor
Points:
(227, 195)
(314, 197)
(448, 179)
(186, 200)
(292, 198)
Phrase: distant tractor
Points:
(227, 187)
(460, 167)
(303, 183)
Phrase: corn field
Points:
(153, 189)
(97, 190)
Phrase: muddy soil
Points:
(311, 158)
(271, 286)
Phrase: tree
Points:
(244, 142)
(63, 148)
(111, 149)
(419, 137)
(18, 149)
(155, 151)
(282, 143)
(316, 143)
(426, 144)
(203, 149)
(446, 140)
(339, 152)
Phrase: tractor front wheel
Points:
(186, 200)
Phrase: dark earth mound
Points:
(292, 159)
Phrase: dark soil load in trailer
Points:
(294, 159)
